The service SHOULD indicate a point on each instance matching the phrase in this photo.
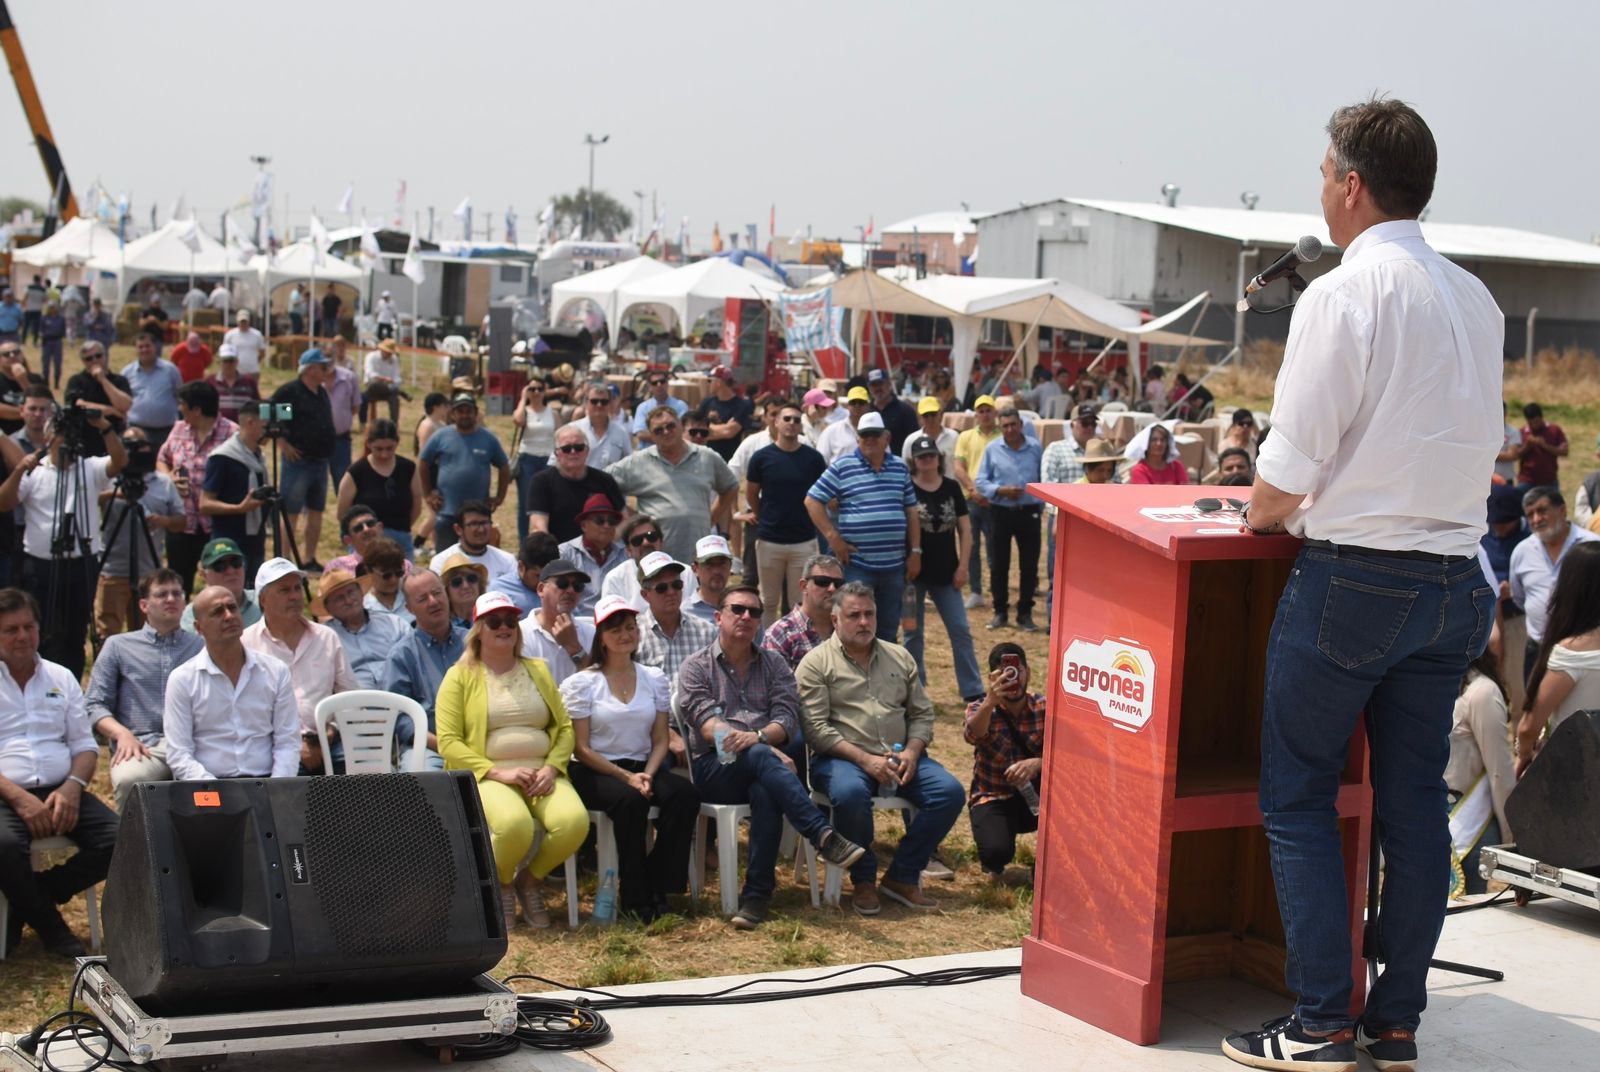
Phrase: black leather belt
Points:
(1376, 552)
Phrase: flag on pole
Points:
(344, 202)
(236, 240)
(867, 233)
(751, 233)
(546, 221)
(683, 237)
(577, 232)
(369, 247)
(772, 228)
(511, 225)
(400, 205)
(180, 208)
(463, 213)
(261, 194)
(320, 240)
(189, 235)
(412, 267)
(716, 238)
(122, 219)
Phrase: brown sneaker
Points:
(865, 899)
(907, 894)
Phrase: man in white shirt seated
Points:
(551, 632)
(381, 380)
(47, 756)
(231, 711)
(474, 525)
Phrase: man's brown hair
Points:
(1386, 143)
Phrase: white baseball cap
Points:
(275, 569)
(709, 547)
(870, 422)
(657, 561)
(490, 602)
(610, 605)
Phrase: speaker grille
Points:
(392, 891)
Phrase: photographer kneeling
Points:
(61, 525)
(116, 607)
(235, 491)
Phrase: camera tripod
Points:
(69, 583)
(272, 507)
(130, 489)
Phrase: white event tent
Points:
(697, 289)
(80, 239)
(601, 287)
(164, 252)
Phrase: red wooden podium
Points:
(1152, 862)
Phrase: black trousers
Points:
(34, 895)
(642, 877)
(63, 614)
(995, 826)
(1022, 524)
(183, 555)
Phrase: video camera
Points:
(134, 480)
(70, 421)
(275, 416)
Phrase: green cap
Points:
(218, 549)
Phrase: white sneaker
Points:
(974, 600)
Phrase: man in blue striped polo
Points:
(877, 538)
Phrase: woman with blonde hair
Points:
(501, 717)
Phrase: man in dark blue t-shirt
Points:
(776, 482)
(455, 467)
(730, 413)
(229, 491)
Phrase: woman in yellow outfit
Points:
(502, 718)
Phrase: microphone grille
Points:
(1308, 249)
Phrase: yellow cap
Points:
(929, 405)
(984, 400)
(858, 394)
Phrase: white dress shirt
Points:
(539, 643)
(218, 729)
(1533, 576)
(36, 495)
(42, 725)
(317, 665)
(381, 366)
(1388, 413)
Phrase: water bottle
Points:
(908, 610)
(892, 788)
(605, 898)
(1030, 796)
(718, 736)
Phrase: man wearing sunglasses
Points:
(360, 528)
(677, 482)
(667, 636)
(660, 385)
(475, 526)
(14, 380)
(223, 564)
(839, 437)
(596, 550)
(386, 564)
(557, 492)
(776, 483)
(608, 440)
(811, 620)
(97, 387)
(551, 632)
(641, 535)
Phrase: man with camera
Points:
(235, 489)
(97, 387)
(307, 443)
(59, 493)
(116, 609)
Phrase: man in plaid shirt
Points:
(811, 620)
(1006, 730)
(1063, 464)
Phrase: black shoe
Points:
(63, 943)
(13, 935)
(839, 850)
(752, 914)
(1284, 1046)
(311, 566)
(1394, 1050)
(1025, 623)
(998, 621)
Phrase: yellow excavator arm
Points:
(66, 202)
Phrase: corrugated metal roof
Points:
(1458, 241)
(937, 223)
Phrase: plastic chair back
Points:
(366, 719)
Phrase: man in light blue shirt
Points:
(417, 664)
(1009, 465)
(367, 638)
(659, 396)
(154, 381)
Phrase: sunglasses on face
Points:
(389, 574)
(790, 419)
(824, 581)
(363, 526)
(536, 389)
(639, 539)
(573, 448)
(667, 586)
(856, 402)
(608, 520)
(699, 433)
(462, 580)
(598, 401)
(658, 383)
(232, 562)
(481, 523)
(499, 621)
(743, 610)
(573, 584)
(663, 427)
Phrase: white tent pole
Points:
(188, 312)
(1020, 344)
(1229, 356)
(1104, 350)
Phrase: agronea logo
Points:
(1117, 676)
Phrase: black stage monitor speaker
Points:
(1555, 810)
(263, 893)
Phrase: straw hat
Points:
(1098, 450)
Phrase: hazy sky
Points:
(834, 111)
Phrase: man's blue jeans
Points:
(979, 517)
(1392, 636)
(947, 598)
(527, 468)
(935, 792)
(889, 586)
(759, 778)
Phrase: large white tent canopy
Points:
(80, 239)
(165, 252)
(601, 287)
(296, 263)
(695, 290)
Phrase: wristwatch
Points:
(80, 781)
(761, 735)
(916, 550)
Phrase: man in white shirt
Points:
(220, 299)
(930, 415)
(551, 632)
(231, 710)
(63, 584)
(387, 316)
(380, 380)
(474, 524)
(1535, 563)
(609, 441)
(47, 756)
(839, 438)
(1385, 426)
(642, 536)
(317, 664)
(248, 343)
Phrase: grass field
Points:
(973, 915)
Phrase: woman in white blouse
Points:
(619, 710)
(537, 424)
(1566, 674)
(1479, 775)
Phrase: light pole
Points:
(638, 225)
(588, 208)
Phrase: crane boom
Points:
(61, 196)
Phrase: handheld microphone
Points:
(1308, 249)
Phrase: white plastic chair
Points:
(605, 847)
(570, 870)
(833, 883)
(1114, 407)
(366, 719)
(40, 848)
